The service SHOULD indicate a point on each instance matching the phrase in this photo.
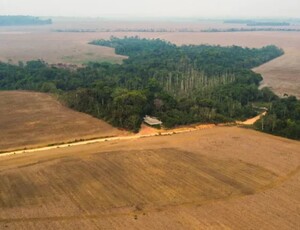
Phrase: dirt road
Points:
(118, 138)
(144, 132)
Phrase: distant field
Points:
(53, 48)
(34, 119)
(197, 180)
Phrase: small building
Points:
(152, 121)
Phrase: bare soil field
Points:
(29, 119)
(53, 48)
(197, 180)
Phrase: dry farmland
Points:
(30, 119)
(214, 178)
(53, 48)
(197, 180)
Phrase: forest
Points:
(282, 119)
(178, 84)
(257, 22)
(253, 29)
(268, 24)
(20, 20)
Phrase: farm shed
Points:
(152, 121)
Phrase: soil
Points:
(218, 178)
(31, 119)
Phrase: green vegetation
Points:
(254, 29)
(238, 21)
(179, 85)
(257, 22)
(19, 20)
(283, 118)
(268, 24)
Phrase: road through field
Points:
(117, 138)
(144, 132)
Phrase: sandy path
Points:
(145, 131)
(137, 136)
(251, 121)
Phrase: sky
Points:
(154, 8)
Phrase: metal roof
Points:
(152, 120)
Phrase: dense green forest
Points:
(19, 20)
(179, 85)
(283, 118)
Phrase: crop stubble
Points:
(197, 180)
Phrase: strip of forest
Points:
(20, 20)
(177, 84)
(268, 29)
(257, 23)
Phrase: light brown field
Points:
(30, 119)
(53, 48)
(197, 180)
(28, 43)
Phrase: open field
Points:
(197, 180)
(53, 48)
(30, 119)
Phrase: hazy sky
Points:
(153, 8)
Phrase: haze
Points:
(153, 8)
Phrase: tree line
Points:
(20, 20)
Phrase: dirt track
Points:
(152, 133)
(144, 132)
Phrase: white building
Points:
(152, 120)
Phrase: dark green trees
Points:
(18, 20)
(283, 118)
